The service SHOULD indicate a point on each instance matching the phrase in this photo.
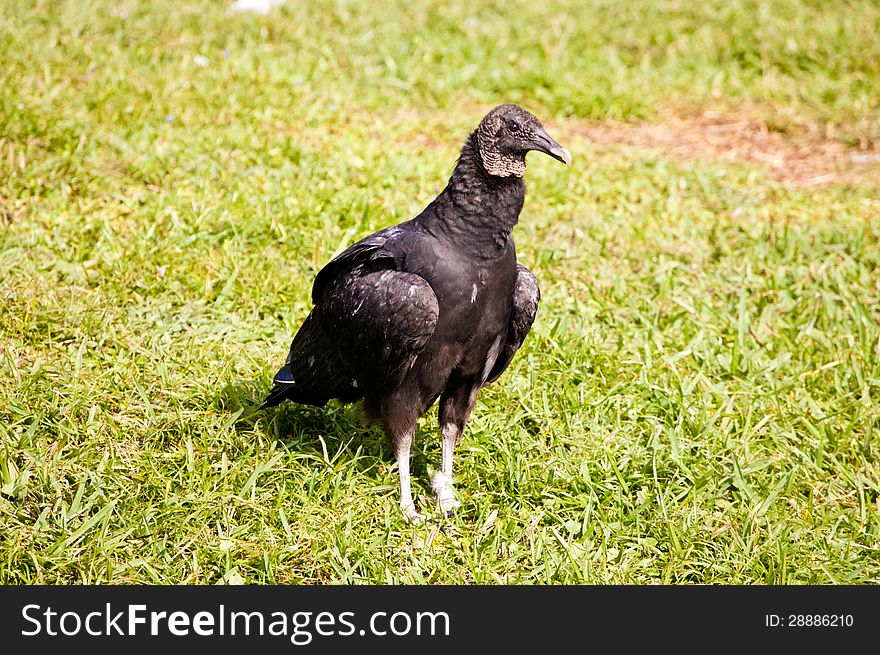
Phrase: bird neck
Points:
(476, 210)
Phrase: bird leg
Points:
(455, 408)
(402, 445)
(399, 420)
(441, 481)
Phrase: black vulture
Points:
(434, 307)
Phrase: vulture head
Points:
(506, 134)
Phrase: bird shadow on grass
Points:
(332, 431)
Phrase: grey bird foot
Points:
(441, 484)
(409, 511)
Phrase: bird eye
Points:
(513, 126)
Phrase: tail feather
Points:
(285, 387)
(278, 393)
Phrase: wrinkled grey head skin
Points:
(506, 134)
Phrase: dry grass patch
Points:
(802, 159)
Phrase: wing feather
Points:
(368, 249)
(526, 296)
(363, 335)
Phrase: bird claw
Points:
(443, 491)
(411, 514)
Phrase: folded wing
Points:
(367, 328)
(526, 296)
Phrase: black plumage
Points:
(435, 307)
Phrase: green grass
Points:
(697, 402)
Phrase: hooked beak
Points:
(544, 143)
